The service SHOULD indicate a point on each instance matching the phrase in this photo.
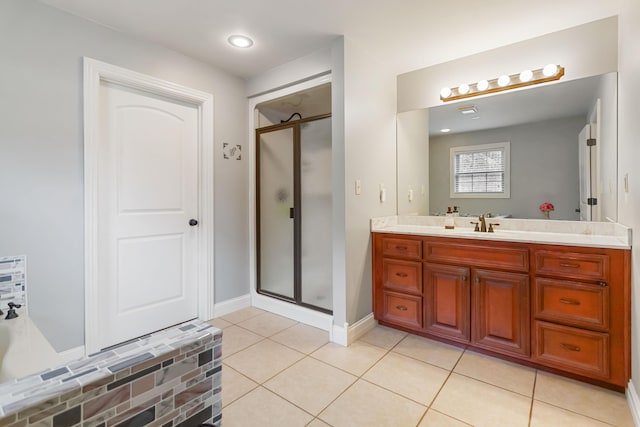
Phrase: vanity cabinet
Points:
(400, 274)
(579, 310)
(501, 312)
(561, 308)
(447, 301)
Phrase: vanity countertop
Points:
(572, 233)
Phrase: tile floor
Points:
(277, 372)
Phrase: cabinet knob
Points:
(401, 308)
(603, 284)
(400, 274)
(463, 278)
(193, 222)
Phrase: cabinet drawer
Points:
(403, 310)
(572, 349)
(572, 265)
(403, 276)
(402, 248)
(579, 304)
(478, 255)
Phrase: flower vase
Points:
(545, 214)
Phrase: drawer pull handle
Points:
(570, 347)
(569, 301)
(401, 248)
(402, 274)
(569, 264)
(603, 284)
(401, 308)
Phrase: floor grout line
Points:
(387, 352)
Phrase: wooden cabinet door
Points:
(447, 301)
(500, 311)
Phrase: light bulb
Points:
(550, 70)
(463, 89)
(445, 92)
(526, 76)
(503, 80)
(482, 85)
(445, 130)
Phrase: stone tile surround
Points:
(169, 378)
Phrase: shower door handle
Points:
(292, 213)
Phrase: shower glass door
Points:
(275, 212)
(315, 204)
(294, 212)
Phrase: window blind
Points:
(480, 171)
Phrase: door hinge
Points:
(592, 201)
(591, 142)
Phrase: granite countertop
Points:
(572, 233)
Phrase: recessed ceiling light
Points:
(238, 40)
(445, 130)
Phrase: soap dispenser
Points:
(449, 222)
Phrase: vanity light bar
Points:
(548, 73)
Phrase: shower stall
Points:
(293, 202)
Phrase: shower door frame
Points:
(295, 125)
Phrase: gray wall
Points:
(369, 155)
(41, 148)
(544, 167)
(628, 155)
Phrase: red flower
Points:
(546, 207)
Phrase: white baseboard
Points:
(231, 305)
(338, 334)
(343, 335)
(347, 334)
(295, 312)
(72, 354)
(634, 403)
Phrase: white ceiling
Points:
(403, 34)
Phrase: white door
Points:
(147, 196)
(584, 165)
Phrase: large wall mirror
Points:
(550, 129)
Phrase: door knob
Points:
(193, 222)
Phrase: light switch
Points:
(383, 194)
(358, 187)
(410, 195)
(626, 182)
